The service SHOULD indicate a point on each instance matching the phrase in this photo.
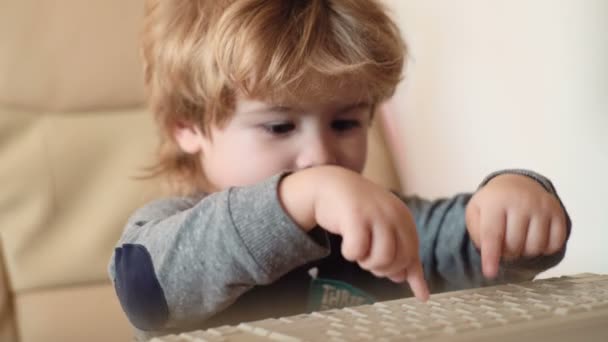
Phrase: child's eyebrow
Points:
(279, 109)
(352, 106)
(282, 109)
(273, 109)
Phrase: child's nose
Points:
(316, 152)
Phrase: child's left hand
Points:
(513, 216)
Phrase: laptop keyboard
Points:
(444, 315)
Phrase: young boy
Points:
(264, 106)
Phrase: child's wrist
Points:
(297, 198)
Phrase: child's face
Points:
(263, 139)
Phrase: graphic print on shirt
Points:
(325, 294)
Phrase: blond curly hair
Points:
(199, 54)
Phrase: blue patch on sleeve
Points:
(138, 289)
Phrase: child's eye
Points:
(280, 128)
(344, 125)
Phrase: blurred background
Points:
(489, 85)
(509, 84)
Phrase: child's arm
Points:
(377, 229)
(450, 251)
(181, 261)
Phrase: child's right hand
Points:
(377, 229)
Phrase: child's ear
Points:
(188, 137)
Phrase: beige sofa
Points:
(74, 134)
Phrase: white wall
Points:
(501, 84)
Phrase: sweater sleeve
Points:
(180, 261)
(449, 257)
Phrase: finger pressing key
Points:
(415, 277)
(492, 231)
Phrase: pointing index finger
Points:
(415, 278)
(492, 235)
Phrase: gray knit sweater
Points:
(235, 255)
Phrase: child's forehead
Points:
(261, 106)
(256, 105)
(317, 94)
